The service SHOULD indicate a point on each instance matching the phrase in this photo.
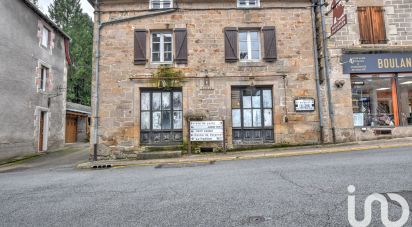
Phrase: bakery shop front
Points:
(381, 93)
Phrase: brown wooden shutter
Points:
(181, 45)
(231, 44)
(378, 24)
(365, 26)
(139, 47)
(269, 42)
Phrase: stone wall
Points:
(119, 120)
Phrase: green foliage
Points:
(167, 77)
(35, 2)
(79, 26)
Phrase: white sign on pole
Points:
(206, 131)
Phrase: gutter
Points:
(97, 59)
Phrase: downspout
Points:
(96, 105)
(327, 72)
(316, 60)
(97, 59)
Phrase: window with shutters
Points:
(43, 78)
(161, 51)
(252, 113)
(161, 116)
(249, 46)
(248, 3)
(161, 4)
(371, 25)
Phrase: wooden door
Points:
(71, 129)
(41, 131)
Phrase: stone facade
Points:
(22, 100)
(398, 23)
(291, 76)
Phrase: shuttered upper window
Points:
(248, 3)
(371, 25)
(249, 46)
(161, 47)
(161, 4)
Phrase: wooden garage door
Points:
(71, 129)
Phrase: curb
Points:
(237, 156)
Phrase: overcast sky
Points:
(87, 8)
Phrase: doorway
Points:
(43, 126)
(71, 129)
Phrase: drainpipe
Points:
(96, 104)
(326, 70)
(97, 59)
(315, 56)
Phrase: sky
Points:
(87, 8)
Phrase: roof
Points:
(46, 18)
(75, 107)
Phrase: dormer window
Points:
(248, 3)
(161, 4)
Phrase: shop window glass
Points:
(161, 117)
(373, 100)
(252, 114)
(405, 98)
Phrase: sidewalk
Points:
(255, 154)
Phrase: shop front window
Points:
(405, 98)
(161, 117)
(252, 114)
(382, 100)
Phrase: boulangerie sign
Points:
(339, 17)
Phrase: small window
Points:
(45, 37)
(248, 3)
(161, 4)
(43, 78)
(161, 47)
(249, 46)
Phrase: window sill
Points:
(251, 64)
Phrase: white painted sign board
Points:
(206, 131)
(305, 105)
(358, 119)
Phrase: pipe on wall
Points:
(315, 57)
(327, 72)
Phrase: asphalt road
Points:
(294, 191)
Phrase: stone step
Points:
(163, 148)
(158, 155)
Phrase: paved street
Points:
(295, 191)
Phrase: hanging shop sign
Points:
(339, 17)
(377, 63)
(206, 131)
(304, 105)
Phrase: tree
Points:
(35, 2)
(79, 26)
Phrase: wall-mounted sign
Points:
(339, 17)
(377, 63)
(358, 119)
(206, 131)
(304, 105)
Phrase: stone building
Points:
(245, 62)
(33, 69)
(370, 63)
